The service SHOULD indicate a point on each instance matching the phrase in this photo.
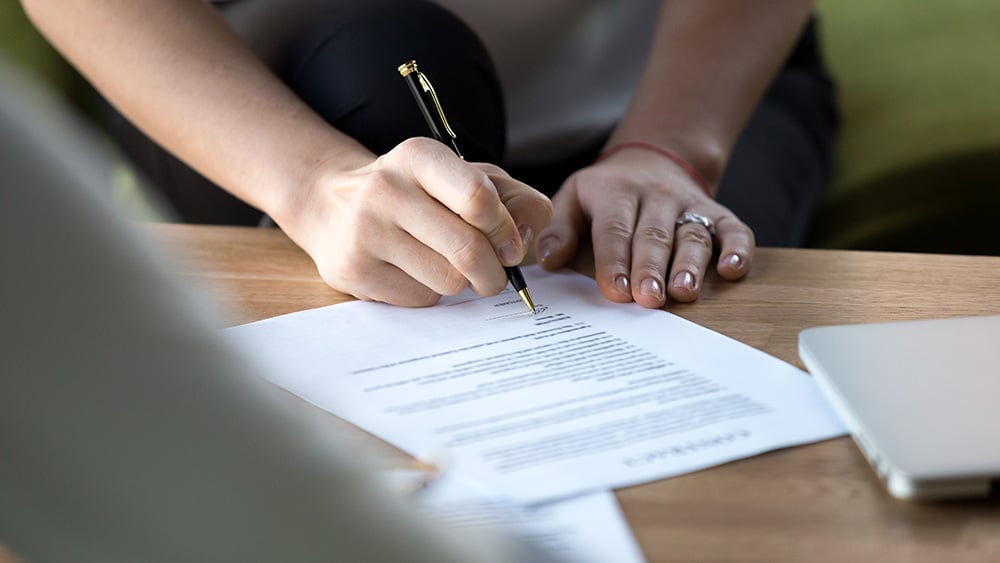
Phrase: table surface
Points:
(814, 502)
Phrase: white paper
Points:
(586, 395)
(585, 529)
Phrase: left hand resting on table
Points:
(630, 201)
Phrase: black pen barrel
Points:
(434, 115)
(515, 277)
(425, 110)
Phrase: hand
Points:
(630, 202)
(415, 224)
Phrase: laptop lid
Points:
(921, 398)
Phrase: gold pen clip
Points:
(426, 83)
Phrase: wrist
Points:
(664, 152)
(292, 207)
(703, 162)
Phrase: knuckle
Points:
(454, 282)
(414, 146)
(478, 195)
(467, 252)
(491, 169)
(695, 235)
(618, 229)
(655, 233)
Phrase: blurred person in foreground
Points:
(130, 430)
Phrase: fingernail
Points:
(526, 234)
(684, 280)
(547, 247)
(509, 254)
(651, 287)
(733, 261)
(621, 283)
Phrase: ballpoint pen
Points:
(433, 113)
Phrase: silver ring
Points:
(690, 217)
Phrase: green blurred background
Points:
(918, 162)
(22, 45)
(917, 166)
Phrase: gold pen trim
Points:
(406, 68)
(526, 297)
(426, 83)
(410, 68)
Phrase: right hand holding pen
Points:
(415, 224)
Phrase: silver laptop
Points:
(921, 398)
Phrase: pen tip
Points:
(526, 297)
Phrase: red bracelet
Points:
(676, 158)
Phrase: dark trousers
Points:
(343, 64)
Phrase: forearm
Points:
(182, 76)
(709, 65)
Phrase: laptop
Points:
(921, 399)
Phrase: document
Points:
(584, 529)
(583, 396)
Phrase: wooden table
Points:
(819, 502)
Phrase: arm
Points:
(709, 65)
(177, 71)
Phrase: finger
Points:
(444, 252)
(370, 272)
(557, 243)
(692, 253)
(736, 247)
(530, 209)
(397, 287)
(652, 245)
(612, 230)
(467, 191)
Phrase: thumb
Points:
(558, 242)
